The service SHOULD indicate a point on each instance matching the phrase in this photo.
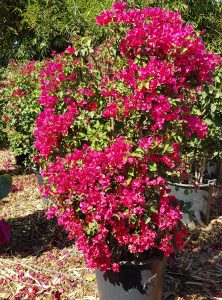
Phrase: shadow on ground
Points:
(196, 273)
(33, 234)
(17, 171)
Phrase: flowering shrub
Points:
(110, 132)
(21, 108)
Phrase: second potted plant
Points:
(202, 157)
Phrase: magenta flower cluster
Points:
(110, 131)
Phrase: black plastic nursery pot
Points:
(134, 281)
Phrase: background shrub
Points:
(20, 98)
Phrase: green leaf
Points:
(136, 154)
(147, 85)
(183, 50)
(128, 181)
(147, 220)
(218, 95)
(167, 148)
(153, 209)
(133, 218)
(140, 86)
(92, 228)
(186, 192)
(131, 172)
(208, 121)
(213, 107)
(178, 138)
(153, 167)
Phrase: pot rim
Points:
(142, 262)
(192, 186)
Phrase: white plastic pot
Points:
(199, 199)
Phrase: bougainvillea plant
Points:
(21, 108)
(110, 132)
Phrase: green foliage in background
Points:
(12, 33)
(31, 29)
(56, 22)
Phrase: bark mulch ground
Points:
(41, 263)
